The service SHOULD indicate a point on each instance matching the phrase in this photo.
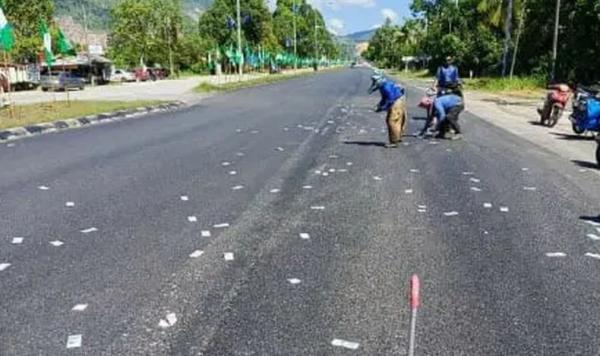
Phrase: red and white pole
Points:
(415, 301)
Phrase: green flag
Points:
(7, 40)
(64, 45)
(47, 40)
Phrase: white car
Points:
(121, 75)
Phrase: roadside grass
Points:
(411, 74)
(29, 114)
(527, 87)
(267, 79)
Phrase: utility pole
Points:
(239, 38)
(316, 66)
(555, 42)
(507, 36)
(519, 32)
(295, 37)
(168, 30)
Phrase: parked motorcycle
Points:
(586, 111)
(554, 105)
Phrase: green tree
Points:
(25, 15)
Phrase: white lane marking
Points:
(17, 240)
(56, 243)
(74, 341)
(232, 173)
(205, 233)
(307, 187)
(593, 237)
(69, 204)
(237, 187)
(332, 170)
(333, 156)
(349, 164)
(487, 205)
(593, 223)
(343, 170)
(345, 344)
(43, 187)
(240, 154)
(79, 307)
(415, 171)
(184, 198)
(280, 149)
(196, 254)
(89, 230)
(451, 213)
(304, 236)
(422, 206)
(475, 189)
(4, 266)
(286, 129)
(317, 172)
(294, 281)
(422, 210)
(225, 164)
(467, 173)
(169, 321)
(221, 226)
(525, 169)
(475, 180)
(274, 191)
(238, 130)
(377, 178)
(317, 207)
(593, 255)
(325, 174)
(556, 254)
(531, 189)
(228, 256)
(504, 209)
(408, 191)
(192, 219)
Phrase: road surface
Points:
(271, 221)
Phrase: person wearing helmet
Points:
(392, 101)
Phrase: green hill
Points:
(98, 11)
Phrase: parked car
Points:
(121, 75)
(61, 81)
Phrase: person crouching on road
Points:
(448, 108)
(392, 101)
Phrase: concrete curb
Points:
(47, 127)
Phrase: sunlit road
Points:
(271, 221)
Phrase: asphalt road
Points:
(180, 234)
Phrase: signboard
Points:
(96, 49)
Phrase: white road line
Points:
(196, 254)
(294, 281)
(593, 255)
(414, 171)
(504, 209)
(221, 226)
(169, 321)
(280, 149)
(56, 243)
(274, 191)
(43, 187)
(422, 210)
(304, 236)
(80, 307)
(74, 341)
(17, 240)
(240, 154)
(4, 266)
(332, 170)
(70, 204)
(192, 219)
(232, 173)
(317, 207)
(205, 233)
(475, 180)
(184, 198)
(333, 156)
(349, 164)
(593, 237)
(531, 189)
(317, 172)
(343, 170)
(422, 206)
(237, 187)
(228, 256)
(377, 178)
(467, 173)
(89, 230)
(225, 164)
(475, 189)
(345, 344)
(408, 191)
(487, 205)
(307, 187)
(525, 169)
(556, 254)
(451, 213)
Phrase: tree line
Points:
(498, 37)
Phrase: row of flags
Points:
(256, 58)
(7, 39)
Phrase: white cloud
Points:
(337, 4)
(336, 25)
(389, 14)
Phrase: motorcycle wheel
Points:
(555, 115)
(578, 130)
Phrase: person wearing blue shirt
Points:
(448, 108)
(392, 101)
(447, 75)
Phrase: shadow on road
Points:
(365, 143)
(591, 218)
(569, 137)
(536, 123)
(585, 164)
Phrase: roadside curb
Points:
(61, 125)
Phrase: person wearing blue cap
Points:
(392, 101)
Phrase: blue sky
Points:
(348, 16)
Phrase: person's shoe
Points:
(457, 137)
(391, 145)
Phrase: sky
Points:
(348, 16)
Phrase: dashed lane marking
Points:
(228, 256)
(237, 187)
(475, 189)
(377, 178)
(4, 266)
(531, 189)
(56, 243)
(467, 173)
(240, 154)
(17, 240)
(225, 164)
(280, 149)
(205, 233)
(307, 187)
(232, 173)
(524, 169)
(345, 344)
(69, 204)
(317, 207)
(504, 209)
(196, 254)
(274, 191)
(304, 236)
(556, 254)
(294, 281)
(593, 255)
(79, 307)
(74, 341)
(408, 191)
(475, 180)
(184, 198)
(451, 213)
(89, 230)
(168, 321)
(192, 219)
(487, 205)
(415, 171)
(43, 187)
(221, 226)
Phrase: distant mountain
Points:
(362, 36)
(97, 12)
